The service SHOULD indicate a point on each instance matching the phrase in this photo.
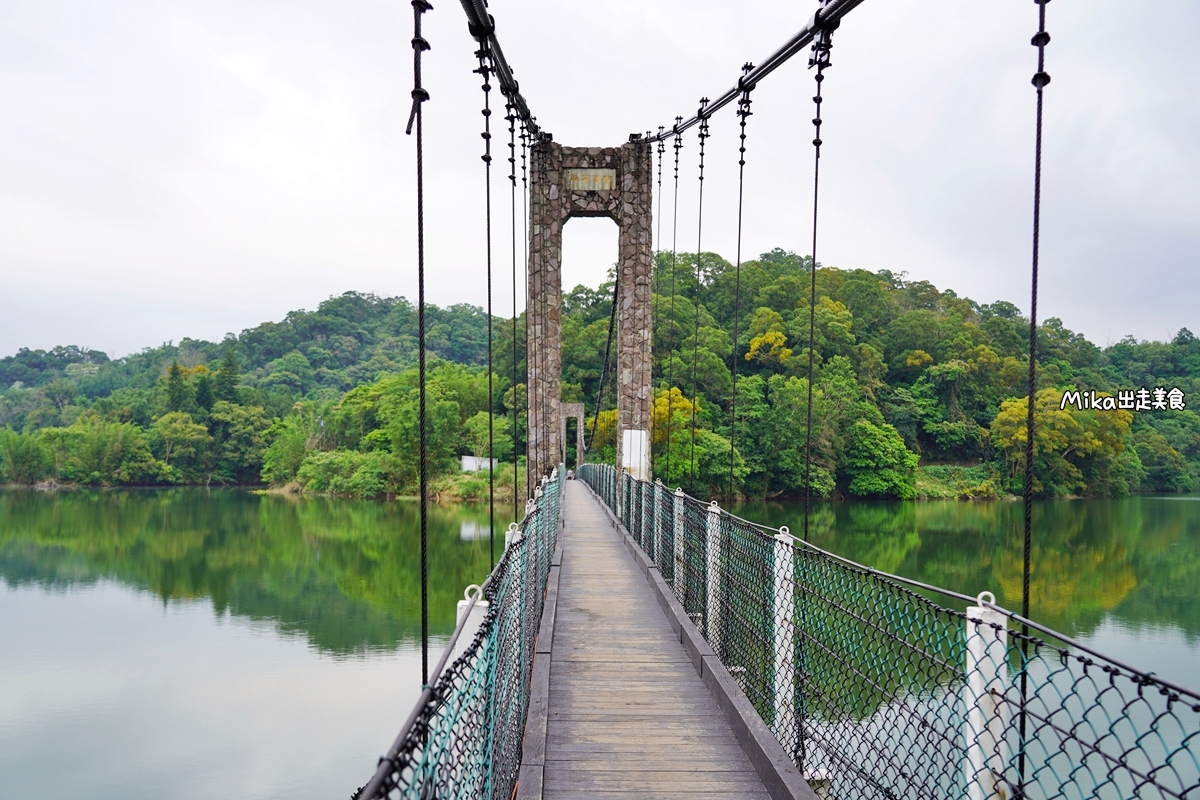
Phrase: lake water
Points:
(202, 645)
(194, 644)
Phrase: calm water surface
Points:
(193, 644)
(1120, 575)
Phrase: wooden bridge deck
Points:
(628, 714)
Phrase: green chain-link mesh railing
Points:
(877, 691)
(463, 739)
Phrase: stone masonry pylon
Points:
(613, 182)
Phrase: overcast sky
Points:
(182, 168)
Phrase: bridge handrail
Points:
(1072, 644)
(878, 691)
(463, 736)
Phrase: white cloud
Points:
(187, 168)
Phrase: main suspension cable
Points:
(819, 59)
(744, 114)
(482, 27)
(1040, 80)
(826, 18)
(485, 71)
(419, 96)
(696, 339)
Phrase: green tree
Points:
(290, 439)
(204, 391)
(833, 333)
(758, 451)
(238, 434)
(1069, 446)
(58, 443)
(228, 374)
(177, 389)
(104, 453)
(293, 371)
(712, 470)
(182, 438)
(877, 464)
(401, 431)
(344, 472)
(516, 402)
(785, 434)
(61, 392)
(477, 437)
(23, 458)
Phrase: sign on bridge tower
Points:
(613, 182)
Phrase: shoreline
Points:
(447, 496)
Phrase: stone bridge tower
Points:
(613, 182)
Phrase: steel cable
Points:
(656, 290)
(543, 314)
(512, 178)
(485, 71)
(743, 114)
(1040, 80)
(830, 13)
(822, 42)
(419, 96)
(662, 148)
(547, 429)
(699, 236)
(535, 354)
(525, 249)
(674, 261)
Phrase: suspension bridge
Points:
(634, 641)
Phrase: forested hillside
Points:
(348, 340)
(905, 374)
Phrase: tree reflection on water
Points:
(343, 573)
(1136, 560)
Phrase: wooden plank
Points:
(644, 670)
(573, 654)
(561, 730)
(646, 713)
(567, 697)
(534, 745)
(718, 759)
(529, 782)
(545, 638)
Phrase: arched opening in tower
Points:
(589, 255)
